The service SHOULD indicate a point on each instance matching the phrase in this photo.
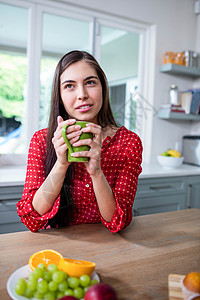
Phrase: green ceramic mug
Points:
(72, 149)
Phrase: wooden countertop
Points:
(136, 261)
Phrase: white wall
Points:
(177, 29)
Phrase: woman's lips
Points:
(84, 108)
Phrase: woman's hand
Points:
(73, 133)
(93, 166)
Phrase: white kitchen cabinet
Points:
(166, 194)
(9, 219)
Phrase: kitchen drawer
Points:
(160, 186)
(9, 219)
(12, 227)
(166, 203)
(11, 192)
(8, 205)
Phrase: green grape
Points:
(65, 275)
(42, 286)
(49, 296)
(58, 276)
(85, 280)
(38, 273)
(52, 268)
(47, 276)
(32, 284)
(63, 286)
(59, 295)
(93, 281)
(42, 266)
(32, 275)
(38, 295)
(28, 293)
(53, 286)
(73, 282)
(78, 292)
(69, 292)
(85, 289)
(20, 286)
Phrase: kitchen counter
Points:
(135, 261)
(12, 175)
(152, 170)
(15, 175)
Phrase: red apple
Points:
(100, 291)
(68, 298)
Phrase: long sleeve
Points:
(35, 176)
(126, 165)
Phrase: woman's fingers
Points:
(96, 130)
(91, 127)
(59, 119)
(72, 131)
(61, 123)
(92, 154)
(88, 142)
(73, 134)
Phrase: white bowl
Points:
(170, 162)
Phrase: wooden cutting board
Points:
(174, 286)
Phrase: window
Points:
(119, 59)
(69, 34)
(40, 35)
(13, 77)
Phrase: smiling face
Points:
(81, 91)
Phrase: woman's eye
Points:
(69, 86)
(91, 82)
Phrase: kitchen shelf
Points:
(175, 69)
(177, 116)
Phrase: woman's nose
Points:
(82, 92)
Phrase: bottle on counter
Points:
(174, 94)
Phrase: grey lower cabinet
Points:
(9, 219)
(155, 195)
(193, 188)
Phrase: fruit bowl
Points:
(170, 162)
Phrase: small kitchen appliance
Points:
(191, 149)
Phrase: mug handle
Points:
(66, 140)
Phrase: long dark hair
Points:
(104, 118)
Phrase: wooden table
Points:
(135, 261)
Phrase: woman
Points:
(59, 193)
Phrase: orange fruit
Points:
(45, 256)
(74, 267)
(192, 282)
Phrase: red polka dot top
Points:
(121, 159)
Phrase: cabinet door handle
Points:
(161, 187)
(189, 199)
